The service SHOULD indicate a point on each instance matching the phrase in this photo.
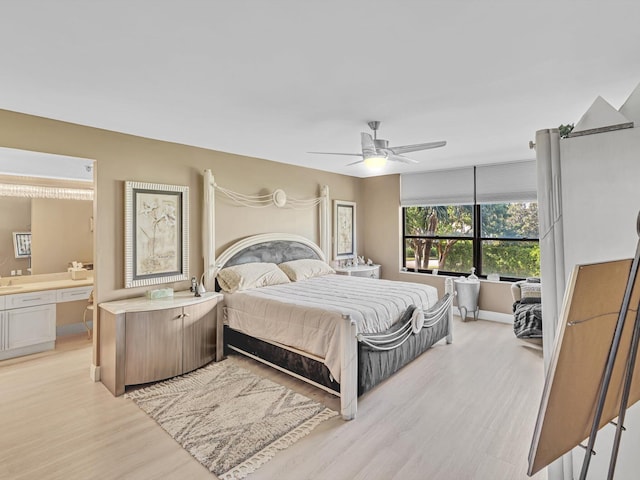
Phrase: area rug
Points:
(231, 420)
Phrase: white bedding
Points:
(306, 314)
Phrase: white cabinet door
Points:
(30, 326)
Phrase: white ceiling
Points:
(276, 79)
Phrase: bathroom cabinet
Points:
(27, 323)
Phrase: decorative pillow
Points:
(250, 275)
(305, 268)
(531, 293)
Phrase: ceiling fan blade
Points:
(355, 163)
(368, 147)
(335, 153)
(414, 148)
(401, 158)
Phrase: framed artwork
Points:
(22, 244)
(156, 234)
(344, 231)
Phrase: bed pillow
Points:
(305, 268)
(530, 292)
(250, 275)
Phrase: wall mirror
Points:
(50, 197)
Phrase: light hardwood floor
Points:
(464, 411)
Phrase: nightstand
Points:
(371, 271)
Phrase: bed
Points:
(343, 334)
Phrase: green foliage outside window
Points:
(511, 259)
(509, 220)
(451, 221)
(500, 226)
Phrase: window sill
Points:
(442, 275)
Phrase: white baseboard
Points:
(488, 315)
(94, 373)
(496, 317)
(28, 350)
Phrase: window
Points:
(498, 238)
(508, 244)
(484, 217)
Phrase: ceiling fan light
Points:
(375, 162)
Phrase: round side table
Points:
(467, 296)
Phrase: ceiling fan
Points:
(376, 151)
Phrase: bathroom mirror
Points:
(50, 197)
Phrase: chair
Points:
(88, 308)
(527, 309)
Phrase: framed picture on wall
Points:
(344, 230)
(156, 231)
(22, 244)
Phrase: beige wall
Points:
(382, 242)
(15, 216)
(121, 157)
(61, 233)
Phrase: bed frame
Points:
(361, 355)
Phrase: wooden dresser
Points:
(144, 340)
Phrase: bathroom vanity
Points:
(28, 311)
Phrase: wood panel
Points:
(111, 356)
(585, 333)
(219, 331)
(199, 335)
(153, 346)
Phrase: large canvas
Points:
(592, 304)
(156, 233)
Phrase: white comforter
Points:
(306, 314)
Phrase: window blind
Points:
(506, 182)
(497, 183)
(439, 187)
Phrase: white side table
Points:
(467, 296)
(371, 271)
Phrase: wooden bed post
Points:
(325, 223)
(349, 369)
(448, 288)
(209, 230)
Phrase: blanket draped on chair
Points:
(527, 320)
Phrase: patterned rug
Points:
(229, 419)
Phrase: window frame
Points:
(476, 240)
